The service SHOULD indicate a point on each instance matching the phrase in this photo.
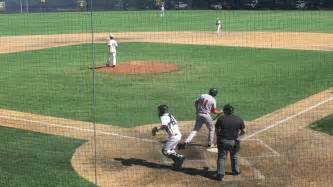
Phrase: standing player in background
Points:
(218, 25)
(112, 50)
(162, 9)
(204, 105)
(169, 124)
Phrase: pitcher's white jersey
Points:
(205, 104)
(170, 124)
(112, 45)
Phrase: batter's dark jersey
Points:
(227, 127)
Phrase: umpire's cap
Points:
(111, 35)
(213, 92)
(162, 109)
(228, 109)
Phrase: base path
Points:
(285, 40)
(278, 150)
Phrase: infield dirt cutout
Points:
(277, 146)
(283, 40)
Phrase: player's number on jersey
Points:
(172, 121)
(203, 101)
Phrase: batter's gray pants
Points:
(199, 121)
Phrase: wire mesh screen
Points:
(84, 83)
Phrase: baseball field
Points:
(67, 123)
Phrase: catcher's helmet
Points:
(213, 92)
(162, 109)
(228, 109)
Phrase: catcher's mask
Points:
(162, 109)
(213, 92)
(228, 109)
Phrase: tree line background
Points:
(77, 5)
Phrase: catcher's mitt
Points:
(154, 131)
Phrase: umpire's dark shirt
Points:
(227, 127)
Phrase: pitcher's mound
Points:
(139, 67)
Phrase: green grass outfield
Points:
(57, 81)
(200, 20)
(324, 125)
(34, 159)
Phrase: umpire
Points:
(228, 128)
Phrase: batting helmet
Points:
(162, 109)
(228, 109)
(213, 92)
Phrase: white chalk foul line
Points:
(287, 119)
(76, 128)
(275, 153)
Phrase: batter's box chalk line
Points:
(273, 152)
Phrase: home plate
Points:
(212, 150)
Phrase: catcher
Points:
(169, 124)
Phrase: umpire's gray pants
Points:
(223, 147)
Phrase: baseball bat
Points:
(217, 116)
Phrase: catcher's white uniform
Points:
(170, 125)
(112, 46)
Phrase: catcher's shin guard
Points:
(172, 154)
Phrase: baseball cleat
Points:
(212, 146)
(219, 177)
(178, 163)
(236, 173)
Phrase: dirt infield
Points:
(277, 150)
(139, 67)
(284, 40)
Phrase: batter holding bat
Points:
(204, 105)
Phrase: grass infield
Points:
(324, 125)
(58, 81)
(199, 20)
(34, 159)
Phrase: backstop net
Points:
(81, 82)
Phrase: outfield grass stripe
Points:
(190, 20)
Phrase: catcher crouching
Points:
(169, 124)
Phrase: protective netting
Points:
(71, 115)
